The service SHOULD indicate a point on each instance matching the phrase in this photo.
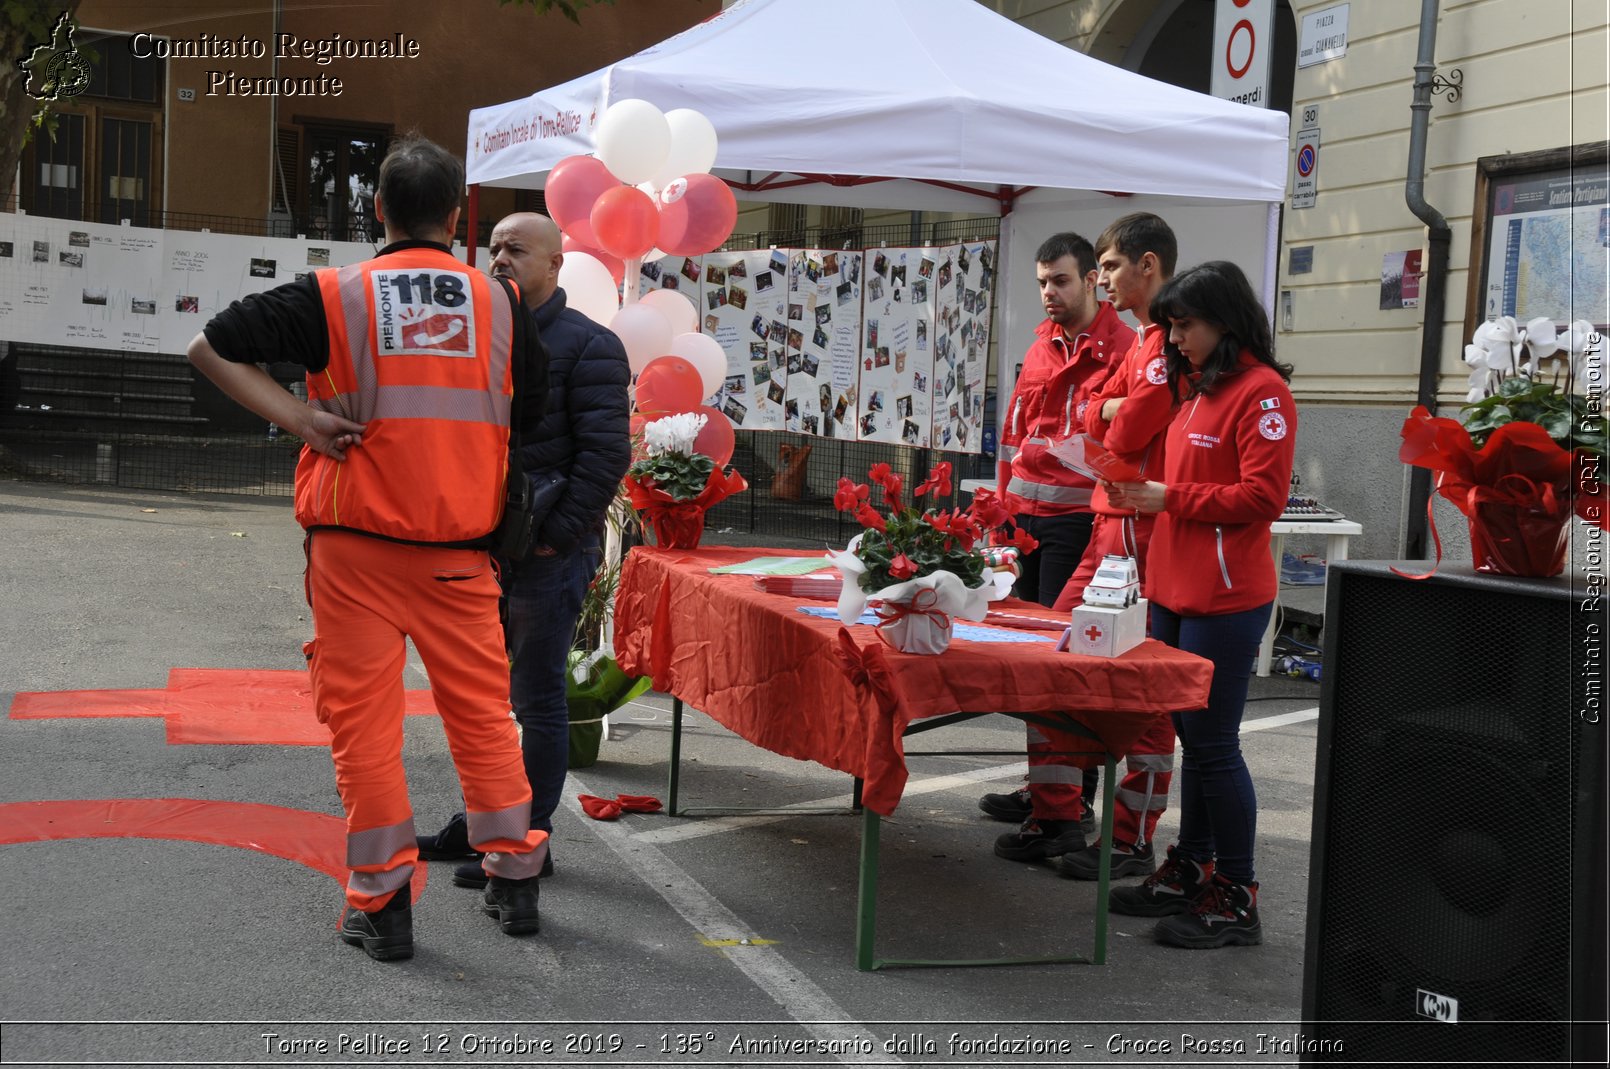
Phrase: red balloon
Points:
(668, 385)
(574, 184)
(617, 270)
(625, 221)
(697, 213)
(716, 439)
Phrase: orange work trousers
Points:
(367, 595)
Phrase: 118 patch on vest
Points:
(423, 313)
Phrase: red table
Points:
(811, 688)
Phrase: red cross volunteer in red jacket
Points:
(1212, 585)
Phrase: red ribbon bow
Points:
(609, 809)
(920, 604)
(866, 669)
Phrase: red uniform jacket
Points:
(1228, 474)
(1048, 404)
(1138, 431)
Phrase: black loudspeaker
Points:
(1456, 903)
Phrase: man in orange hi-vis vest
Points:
(400, 484)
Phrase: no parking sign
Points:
(1302, 183)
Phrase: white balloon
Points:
(677, 309)
(645, 332)
(654, 254)
(705, 354)
(589, 287)
(633, 139)
(693, 146)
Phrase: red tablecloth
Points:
(810, 688)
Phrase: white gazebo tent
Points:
(929, 105)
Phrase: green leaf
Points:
(1488, 419)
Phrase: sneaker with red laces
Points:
(1169, 890)
(1040, 840)
(1224, 914)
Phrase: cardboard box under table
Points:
(806, 686)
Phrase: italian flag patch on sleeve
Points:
(1269, 402)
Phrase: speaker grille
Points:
(1442, 869)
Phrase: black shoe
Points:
(1087, 816)
(472, 875)
(1169, 890)
(1040, 840)
(1013, 807)
(1223, 914)
(513, 903)
(449, 844)
(1127, 860)
(387, 934)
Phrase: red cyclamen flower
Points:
(902, 567)
(882, 475)
(867, 516)
(938, 481)
(850, 494)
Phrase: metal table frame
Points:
(866, 959)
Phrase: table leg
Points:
(676, 756)
(866, 901)
(1266, 647)
(1104, 869)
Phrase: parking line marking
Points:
(792, 990)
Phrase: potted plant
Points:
(672, 485)
(595, 685)
(1528, 451)
(919, 570)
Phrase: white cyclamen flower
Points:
(1501, 338)
(673, 434)
(1541, 339)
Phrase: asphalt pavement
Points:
(165, 902)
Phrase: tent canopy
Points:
(814, 100)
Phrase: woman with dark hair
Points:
(1212, 585)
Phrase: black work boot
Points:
(1127, 860)
(1169, 890)
(387, 934)
(1224, 914)
(513, 903)
(449, 844)
(1012, 807)
(1040, 840)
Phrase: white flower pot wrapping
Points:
(912, 624)
(939, 598)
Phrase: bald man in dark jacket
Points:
(577, 456)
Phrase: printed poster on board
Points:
(823, 340)
(742, 304)
(897, 347)
(964, 285)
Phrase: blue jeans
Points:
(1218, 806)
(545, 598)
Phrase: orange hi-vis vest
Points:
(421, 352)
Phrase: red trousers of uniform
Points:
(1055, 776)
(367, 595)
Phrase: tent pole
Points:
(472, 221)
(1271, 259)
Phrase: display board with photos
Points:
(896, 353)
(963, 282)
(742, 302)
(824, 329)
(135, 289)
(882, 345)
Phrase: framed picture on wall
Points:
(1540, 237)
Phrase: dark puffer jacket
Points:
(584, 434)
